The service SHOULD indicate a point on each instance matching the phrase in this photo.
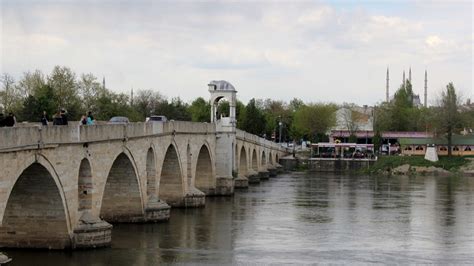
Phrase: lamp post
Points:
(279, 135)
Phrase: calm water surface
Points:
(301, 219)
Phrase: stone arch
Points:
(254, 160)
(35, 214)
(171, 188)
(84, 186)
(243, 166)
(189, 163)
(121, 199)
(150, 173)
(205, 178)
(264, 160)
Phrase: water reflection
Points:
(301, 218)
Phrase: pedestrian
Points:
(64, 117)
(90, 118)
(2, 120)
(89, 114)
(10, 120)
(57, 119)
(44, 119)
(83, 120)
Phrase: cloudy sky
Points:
(325, 51)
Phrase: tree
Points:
(90, 90)
(9, 95)
(146, 102)
(200, 110)
(176, 109)
(448, 113)
(314, 120)
(31, 82)
(34, 105)
(254, 120)
(63, 82)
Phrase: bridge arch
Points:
(254, 160)
(171, 186)
(263, 162)
(121, 198)
(36, 214)
(243, 165)
(150, 173)
(204, 175)
(84, 186)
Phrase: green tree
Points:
(200, 110)
(10, 96)
(34, 105)
(146, 102)
(90, 90)
(176, 109)
(254, 120)
(31, 82)
(314, 120)
(448, 114)
(63, 82)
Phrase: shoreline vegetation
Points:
(418, 165)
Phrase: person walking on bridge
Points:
(44, 119)
(10, 120)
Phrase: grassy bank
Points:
(389, 162)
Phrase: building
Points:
(461, 146)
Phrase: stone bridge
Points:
(62, 186)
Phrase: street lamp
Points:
(279, 124)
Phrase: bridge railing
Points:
(242, 135)
(35, 135)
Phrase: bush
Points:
(389, 162)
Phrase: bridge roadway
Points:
(62, 186)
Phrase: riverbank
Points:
(417, 165)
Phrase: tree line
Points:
(36, 92)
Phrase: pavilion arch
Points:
(254, 160)
(36, 215)
(150, 173)
(205, 178)
(121, 199)
(171, 186)
(243, 165)
(84, 186)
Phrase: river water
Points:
(301, 219)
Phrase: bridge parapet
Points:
(245, 136)
(26, 137)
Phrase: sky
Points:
(318, 51)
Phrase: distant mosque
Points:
(416, 97)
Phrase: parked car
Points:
(156, 118)
(119, 120)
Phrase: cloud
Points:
(321, 51)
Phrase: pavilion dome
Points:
(222, 85)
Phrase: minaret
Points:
(409, 75)
(387, 96)
(103, 83)
(403, 79)
(426, 89)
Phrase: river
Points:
(302, 219)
